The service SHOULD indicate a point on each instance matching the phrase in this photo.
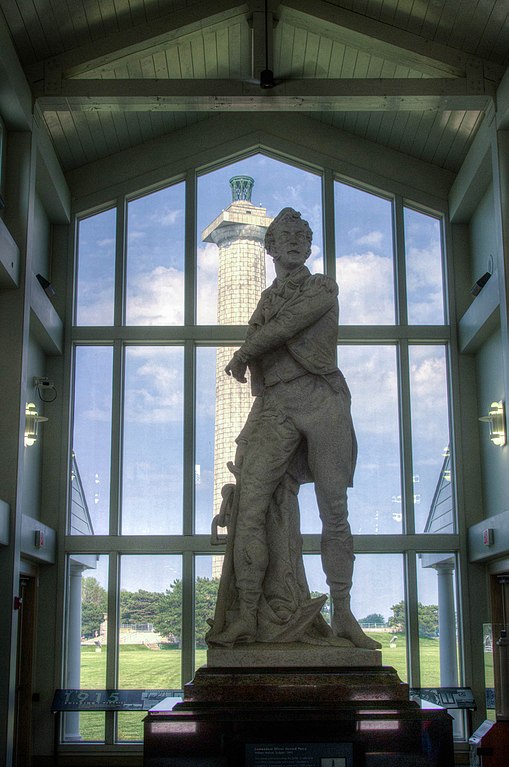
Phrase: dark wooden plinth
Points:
(226, 709)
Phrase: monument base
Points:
(292, 654)
(297, 717)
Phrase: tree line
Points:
(164, 610)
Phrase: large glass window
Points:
(155, 258)
(95, 278)
(152, 468)
(91, 445)
(364, 257)
(155, 419)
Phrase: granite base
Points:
(296, 717)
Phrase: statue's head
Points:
(288, 238)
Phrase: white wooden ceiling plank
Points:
(349, 62)
(383, 39)
(385, 129)
(376, 67)
(337, 60)
(435, 135)
(496, 21)
(73, 135)
(134, 70)
(362, 64)
(19, 33)
(234, 48)
(373, 9)
(109, 132)
(133, 128)
(449, 14)
(413, 122)
(137, 12)
(223, 52)
(210, 53)
(285, 50)
(299, 47)
(186, 59)
(121, 130)
(148, 67)
(59, 139)
(160, 65)
(422, 134)
(123, 13)
(198, 57)
(94, 19)
(398, 129)
(463, 138)
(173, 62)
(109, 16)
(83, 125)
(311, 55)
(81, 35)
(388, 11)
(501, 44)
(34, 28)
(323, 59)
(431, 20)
(451, 124)
(51, 28)
(416, 18)
(462, 22)
(477, 25)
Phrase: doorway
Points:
(24, 670)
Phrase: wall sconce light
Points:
(32, 421)
(496, 420)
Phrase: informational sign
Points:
(299, 755)
(447, 697)
(109, 700)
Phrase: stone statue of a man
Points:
(303, 410)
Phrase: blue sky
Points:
(154, 393)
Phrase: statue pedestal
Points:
(350, 716)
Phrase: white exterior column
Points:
(447, 625)
(72, 679)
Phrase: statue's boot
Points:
(243, 629)
(346, 626)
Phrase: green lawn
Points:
(142, 668)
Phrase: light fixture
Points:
(496, 420)
(32, 421)
(480, 283)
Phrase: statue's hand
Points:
(237, 369)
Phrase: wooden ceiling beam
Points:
(384, 40)
(395, 95)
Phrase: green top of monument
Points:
(242, 186)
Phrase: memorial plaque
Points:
(104, 700)
(299, 755)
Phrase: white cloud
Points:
(167, 216)
(107, 242)
(370, 239)
(366, 289)
(157, 298)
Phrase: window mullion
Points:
(412, 621)
(400, 266)
(189, 457)
(188, 601)
(116, 438)
(329, 233)
(407, 495)
(190, 250)
(120, 253)
(112, 639)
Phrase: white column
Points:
(72, 679)
(447, 625)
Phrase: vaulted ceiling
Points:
(414, 75)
